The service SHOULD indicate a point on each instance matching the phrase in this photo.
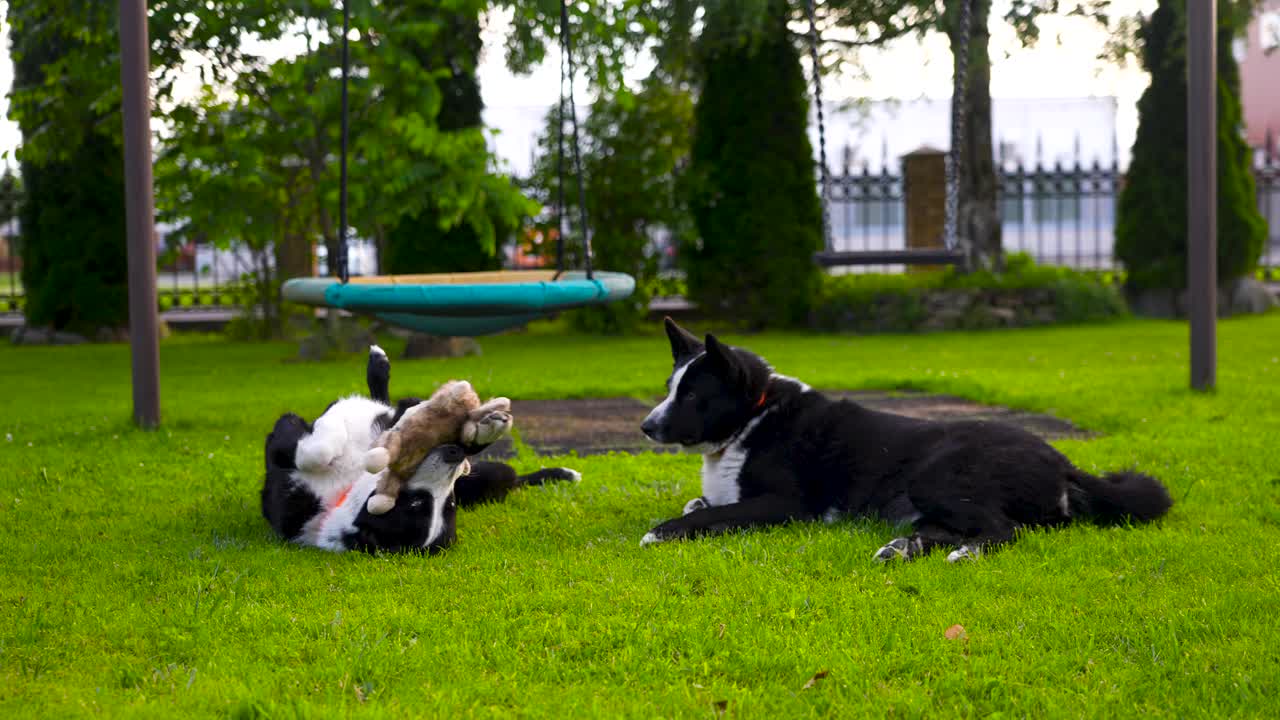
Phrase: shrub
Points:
(74, 261)
(752, 190)
(72, 212)
(1025, 294)
(1151, 227)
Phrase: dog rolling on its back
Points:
(315, 489)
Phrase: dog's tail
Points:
(1118, 497)
(550, 475)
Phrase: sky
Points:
(1063, 64)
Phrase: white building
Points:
(1025, 130)
(1048, 130)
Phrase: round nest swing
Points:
(475, 303)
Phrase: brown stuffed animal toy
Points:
(453, 414)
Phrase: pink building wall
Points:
(1260, 76)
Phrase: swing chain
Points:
(823, 184)
(340, 263)
(560, 224)
(567, 72)
(958, 103)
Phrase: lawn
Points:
(138, 578)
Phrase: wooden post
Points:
(924, 191)
(1202, 190)
(144, 338)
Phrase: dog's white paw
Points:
(376, 460)
(319, 450)
(375, 350)
(380, 504)
(895, 548)
(696, 504)
(498, 403)
(650, 538)
(488, 429)
(965, 552)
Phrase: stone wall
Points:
(928, 310)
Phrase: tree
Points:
(634, 146)
(74, 268)
(1151, 226)
(753, 196)
(393, 128)
(851, 25)
(84, 77)
(260, 168)
(978, 227)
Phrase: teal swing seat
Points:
(471, 303)
(463, 304)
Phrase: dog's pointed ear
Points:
(721, 355)
(683, 343)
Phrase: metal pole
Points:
(144, 340)
(1202, 190)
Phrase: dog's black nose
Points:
(649, 427)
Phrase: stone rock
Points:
(1039, 296)
(421, 345)
(1003, 315)
(1154, 303)
(119, 335)
(1239, 297)
(1044, 315)
(1250, 297)
(315, 347)
(357, 340)
(26, 335)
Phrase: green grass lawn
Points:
(138, 578)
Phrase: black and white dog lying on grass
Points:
(316, 488)
(774, 450)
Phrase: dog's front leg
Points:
(752, 512)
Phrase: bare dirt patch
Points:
(598, 426)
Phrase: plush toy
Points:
(454, 414)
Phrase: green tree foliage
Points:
(1151, 227)
(752, 179)
(84, 77)
(74, 265)
(633, 146)
(421, 242)
(10, 196)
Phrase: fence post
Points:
(924, 190)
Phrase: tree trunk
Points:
(294, 255)
(978, 220)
